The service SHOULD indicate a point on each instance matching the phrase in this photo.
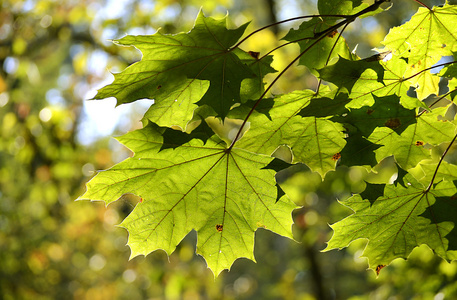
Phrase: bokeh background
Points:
(53, 57)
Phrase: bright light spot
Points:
(311, 217)
(358, 257)
(439, 296)
(54, 97)
(101, 117)
(88, 169)
(242, 285)
(4, 98)
(10, 65)
(311, 198)
(393, 178)
(97, 262)
(97, 62)
(46, 21)
(5, 30)
(114, 9)
(388, 57)
(45, 114)
(129, 276)
(111, 216)
(443, 60)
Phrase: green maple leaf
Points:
(330, 104)
(446, 172)
(345, 8)
(358, 151)
(345, 73)
(367, 78)
(429, 35)
(178, 108)
(404, 217)
(385, 112)
(223, 195)
(313, 141)
(338, 7)
(184, 71)
(321, 52)
(408, 147)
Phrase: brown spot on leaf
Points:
(159, 87)
(379, 268)
(332, 33)
(336, 156)
(141, 200)
(219, 227)
(370, 111)
(419, 143)
(392, 123)
(254, 54)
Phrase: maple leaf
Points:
(429, 35)
(320, 53)
(385, 112)
(404, 217)
(223, 195)
(201, 178)
(408, 147)
(313, 141)
(184, 71)
(365, 79)
(338, 7)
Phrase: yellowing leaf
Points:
(429, 35)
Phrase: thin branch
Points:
(284, 21)
(286, 44)
(423, 4)
(439, 163)
(330, 54)
(268, 88)
(428, 69)
(319, 36)
(436, 101)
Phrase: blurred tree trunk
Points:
(272, 18)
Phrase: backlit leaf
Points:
(172, 67)
(313, 141)
(397, 222)
(429, 35)
(223, 195)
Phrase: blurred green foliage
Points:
(52, 54)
